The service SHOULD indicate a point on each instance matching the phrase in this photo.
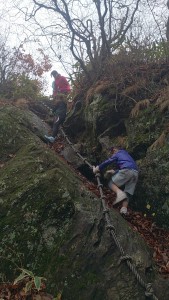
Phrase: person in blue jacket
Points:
(126, 175)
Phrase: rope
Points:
(126, 258)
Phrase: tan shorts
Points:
(126, 177)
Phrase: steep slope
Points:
(53, 225)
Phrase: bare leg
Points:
(120, 195)
(115, 188)
(125, 203)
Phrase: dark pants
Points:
(59, 111)
(58, 120)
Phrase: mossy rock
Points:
(52, 225)
(143, 131)
(17, 127)
(154, 178)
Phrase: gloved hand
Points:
(96, 169)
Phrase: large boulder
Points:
(52, 224)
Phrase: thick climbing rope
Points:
(147, 286)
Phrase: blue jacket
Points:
(121, 159)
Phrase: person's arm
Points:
(104, 164)
(107, 162)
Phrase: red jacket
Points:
(61, 85)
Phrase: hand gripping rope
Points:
(126, 258)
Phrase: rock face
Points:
(148, 137)
(52, 225)
(143, 130)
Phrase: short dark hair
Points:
(54, 73)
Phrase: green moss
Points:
(154, 178)
(144, 129)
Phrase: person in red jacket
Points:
(61, 85)
(61, 89)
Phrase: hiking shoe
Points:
(120, 197)
(123, 211)
(50, 139)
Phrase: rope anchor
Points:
(105, 211)
(110, 227)
(149, 290)
(100, 185)
(124, 258)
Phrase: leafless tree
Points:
(91, 28)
